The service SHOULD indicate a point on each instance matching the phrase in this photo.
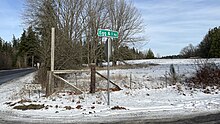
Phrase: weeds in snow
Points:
(207, 77)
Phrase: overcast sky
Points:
(170, 24)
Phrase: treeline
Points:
(209, 47)
(23, 51)
(20, 52)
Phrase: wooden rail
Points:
(109, 80)
(69, 71)
(68, 83)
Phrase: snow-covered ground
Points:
(172, 61)
(149, 97)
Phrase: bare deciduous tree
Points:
(96, 18)
(126, 19)
(76, 23)
(188, 51)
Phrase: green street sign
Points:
(107, 33)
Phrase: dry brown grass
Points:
(118, 108)
(29, 107)
(104, 89)
(206, 75)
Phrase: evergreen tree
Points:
(31, 41)
(140, 55)
(1, 53)
(204, 46)
(28, 47)
(23, 44)
(125, 53)
(23, 48)
(15, 44)
(32, 45)
(210, 45)
(215, 46)
(150, 54)
(1, 44)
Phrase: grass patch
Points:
(79, 106)
(29, 107)
(118, 108)
(68, 107)
(103, 89)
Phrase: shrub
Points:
(207, 74)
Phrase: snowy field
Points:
(146, 94)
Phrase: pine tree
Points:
(23, 48)
(1, 44)
(204, 46)
(32, 45)
(15, 44)
(125, 53)
(210, 45)
(150, 54)
(31, 41)
(23, 44)
(28, 47)
(1, 53)
(215, 46)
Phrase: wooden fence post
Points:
(93, 78)
(50, 84)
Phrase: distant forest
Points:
(24, 51)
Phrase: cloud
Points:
(172, 24)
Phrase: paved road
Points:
(204, 119)
(7, 75)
